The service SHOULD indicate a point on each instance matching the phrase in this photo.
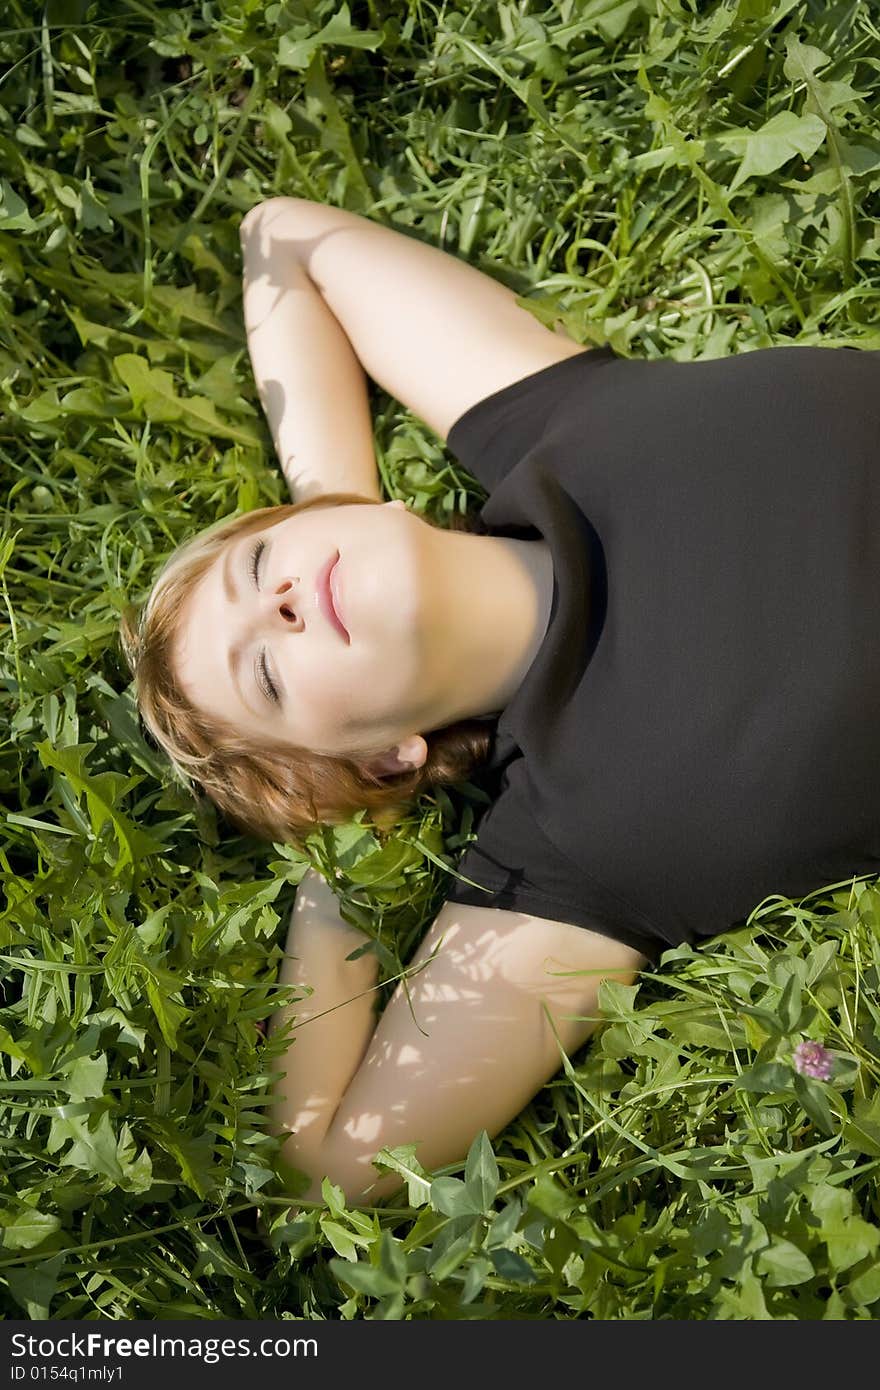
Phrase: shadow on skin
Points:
(475, 1047)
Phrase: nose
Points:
(282, 604)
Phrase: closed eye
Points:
(265, 683)
(261, 675)
(254, 562)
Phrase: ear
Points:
(403, 757)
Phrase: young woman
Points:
(658, 646)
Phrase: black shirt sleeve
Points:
(516, 867)
(493, 435)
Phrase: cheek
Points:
(322, 700)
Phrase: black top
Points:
(700, 728)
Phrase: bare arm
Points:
(479, 1048)
(333, 1025)
(311, 385)
(329, 295)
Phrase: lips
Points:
(326, 598)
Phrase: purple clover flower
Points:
(812, 1059)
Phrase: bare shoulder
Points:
(518, 947)
(531, 952)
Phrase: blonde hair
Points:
(277, 794)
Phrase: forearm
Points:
(334, 1024)
(312, 387)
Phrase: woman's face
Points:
(258, 647)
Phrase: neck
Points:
(492, 609)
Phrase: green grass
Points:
(684, 180)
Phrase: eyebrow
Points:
(234, 661)
(228, 580)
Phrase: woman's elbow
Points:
(361, 1185)
(258, 220)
